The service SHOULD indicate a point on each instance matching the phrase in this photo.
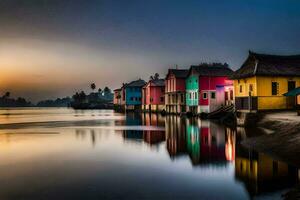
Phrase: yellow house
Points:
(263, 79)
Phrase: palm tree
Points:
(6, 95)
(155, 77)
(93, 86)
(107, 90)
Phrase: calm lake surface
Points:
(99, 154)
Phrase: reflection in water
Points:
(261, 173)
(95, 158)
(149, 136)
(208, 142)
(175, 136)
(203, 141)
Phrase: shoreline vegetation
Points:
(100, 99)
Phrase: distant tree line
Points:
(102, 96)
(7, 101)
(59, 102)
(99, 99)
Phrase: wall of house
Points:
(174, 85)
(192, 90)
(157, 95)
(170, 83)
(146, 95)
(245, 84)
(180, 84)
(123, 96)
(133, 96)
(117, 101)
(154, 95)
(211, 85)
(264, 90)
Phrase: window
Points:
(140, 98)
(161, 99)
(190, 95)
(131, 98)
(275, 86)
(241, 88)
(250, 87)
(213, 95)
(182, 97)
(151, 99)
(226, 96)
(196, 95)
(204, 95)
(231, 94)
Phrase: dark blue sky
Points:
(127, 39)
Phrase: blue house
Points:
(133, 94)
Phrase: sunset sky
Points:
(51, 48)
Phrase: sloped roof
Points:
(158, 82)
(268, 65)
(118, 89)
(136, 83)
(178, 73)
(215, 69)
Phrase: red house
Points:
(153, 95)
(175, 90)
(208, 87)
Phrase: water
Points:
(67, 154)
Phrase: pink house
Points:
(214, 92)
(153, 95)
(208, 87)
(117, 96)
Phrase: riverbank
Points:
(281, 141)
(282, 138)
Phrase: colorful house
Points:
(117, 97)
(133, 94)
(123, 100)
(263, 79)
(175, 91)
(208, 87)
(153, 96)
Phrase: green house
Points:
(192, 90)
